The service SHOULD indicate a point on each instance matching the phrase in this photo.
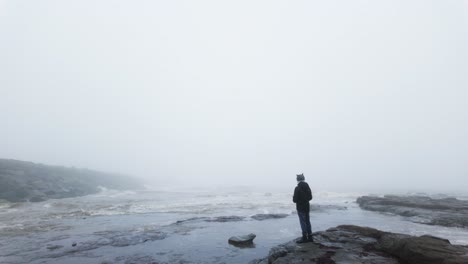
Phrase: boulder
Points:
(242, 240)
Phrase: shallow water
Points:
(170, 227)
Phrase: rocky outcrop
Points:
(449, 212)
(355, 244)
(219, 219)
(261, 217)
(242, 240)
(327, 207)
(107, 238)
(26, 181)
(223, 219)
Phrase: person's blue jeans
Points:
(304, 219)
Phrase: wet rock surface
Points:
(106, 238)
(355, 244)
(53, 247)
(242, 240)
(219, 219)
(232, 218)
(223, 219)
(326, 207)
(449, 212)
(261, 217)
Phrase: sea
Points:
(178, 226)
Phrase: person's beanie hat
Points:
(300, 177)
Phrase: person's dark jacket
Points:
(302, 196)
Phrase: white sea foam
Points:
(4, 205)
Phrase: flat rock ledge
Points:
(261, 217)
(449, 212)
(354, 244)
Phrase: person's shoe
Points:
(310, 238)
(302, 240)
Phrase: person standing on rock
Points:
(302, 196)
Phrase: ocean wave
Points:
(5, 205)
(113, 202)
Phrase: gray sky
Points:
(355, 94)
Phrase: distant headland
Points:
(22, 181)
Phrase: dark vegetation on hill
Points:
(22, 181)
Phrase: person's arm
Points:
(295, 195)
(309, 193)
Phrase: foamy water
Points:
(165, 226)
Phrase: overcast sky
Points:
(355, 94)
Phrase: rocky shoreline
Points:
(449, 212)
(355, 244)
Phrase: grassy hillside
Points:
(27, 181)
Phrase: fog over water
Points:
(358, 95)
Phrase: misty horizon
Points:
(358, 96)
